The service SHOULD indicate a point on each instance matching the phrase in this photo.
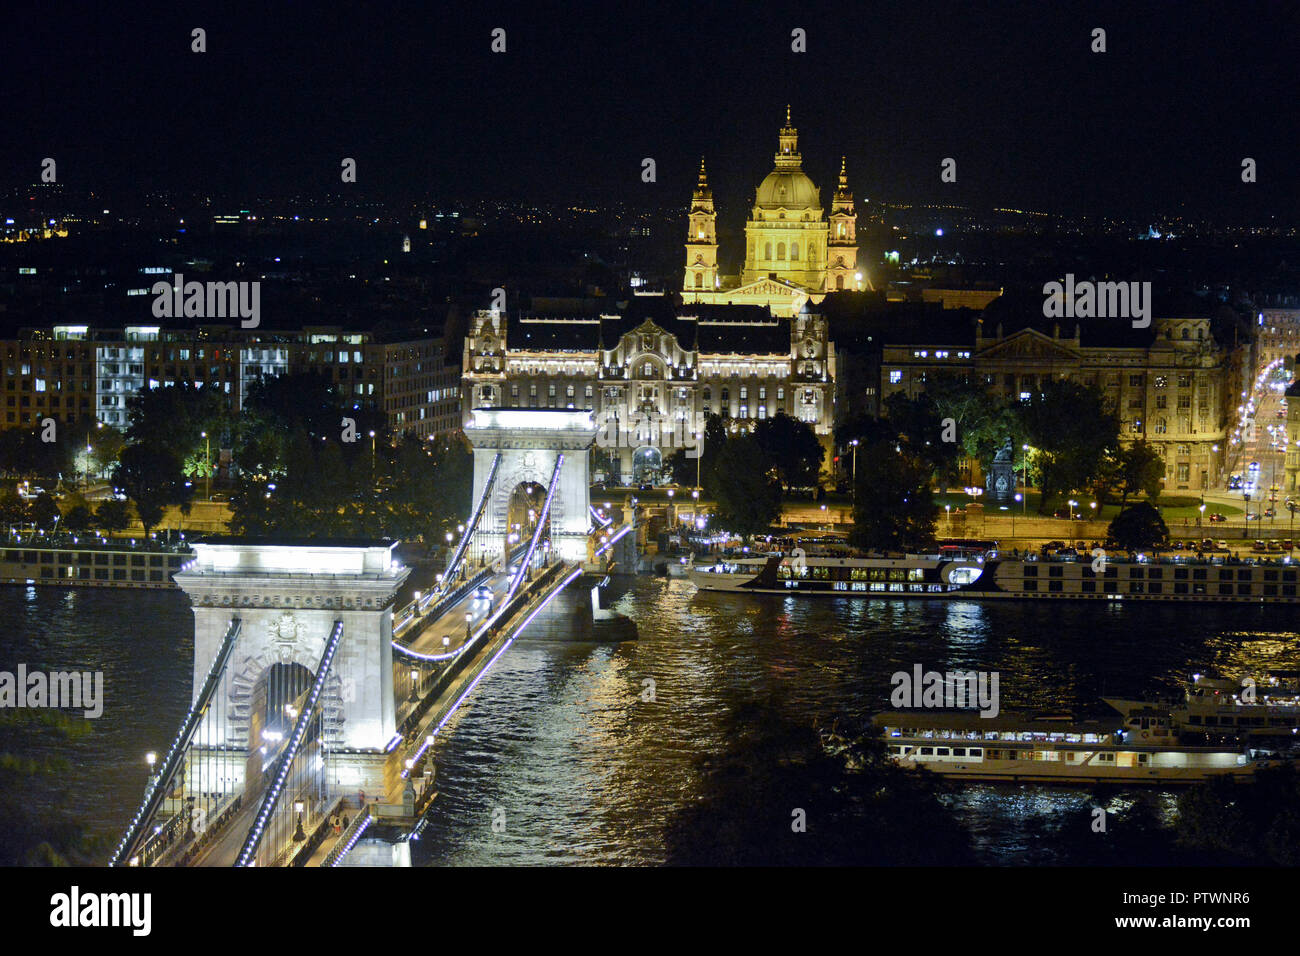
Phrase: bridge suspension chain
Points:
(537, 532)
(161, 784)
(454, 564)
(248, 853)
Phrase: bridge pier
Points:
(576, 614)
(289, 595)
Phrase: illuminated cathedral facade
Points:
(794, 253)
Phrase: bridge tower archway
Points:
(530, 441)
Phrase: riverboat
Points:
(104, 566)
(1055, 749)
(997, 576)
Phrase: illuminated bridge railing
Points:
(404, 622)
(459, 554)
(161, 784)
(248, 854)
(611, 538)
(537, 532)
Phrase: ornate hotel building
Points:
(654, 373)
(794, 254)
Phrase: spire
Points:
(842, 194)
(702, 191)
(787, 154)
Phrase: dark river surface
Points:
(561, 747)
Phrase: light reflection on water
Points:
(560, 739)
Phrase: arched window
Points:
(1186, 335)
(839, 282)
(699, 280)
(780, 250)
(812, 251)
(794, 251)
(708, 393)
(1200, 333)
(767, 251)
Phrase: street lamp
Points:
(469, 625)
(699, 448)
(853, 481)
(1024, 476)
(299, 834)
(1073, 504)
(372, 454)
(207, 463)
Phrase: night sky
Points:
(1159, 123)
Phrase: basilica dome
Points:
(788, 189)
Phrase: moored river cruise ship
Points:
(1011, 748)
(108, 565)
(996, 576)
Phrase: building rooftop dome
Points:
(787, 186)
(788, 189)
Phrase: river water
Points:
(584, 753)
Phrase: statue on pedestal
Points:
(1000, 482)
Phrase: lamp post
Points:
(299, 834)
(469, 625)
(372, 456)
(699, 447)
(1019, 497)
(1024, 478)
(1073, 504)
(853, 481)
(207, 464)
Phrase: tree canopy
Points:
(1138, 527)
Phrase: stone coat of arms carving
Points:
(286, 632)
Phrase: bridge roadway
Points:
(224, 850)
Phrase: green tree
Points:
(151, 475)
(1138, 527)
(44, 513)
(855, 800)
(685, 467)
(1138, 467)
(78, 518)
(985, 422)
(113, 515)
(1073, 433)
(893, 509)
(31, 833)
(747, 500)
(793, 453)
(13, 510)
(920, 427)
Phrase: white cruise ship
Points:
(1011, 748)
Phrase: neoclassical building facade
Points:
(794, 252)
(1173, 385)
(654, 373)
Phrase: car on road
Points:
(1252, 516)
(1216, 517)
(1259, 546)
(1221, 546)
(1269, 513)
(482, 593)
(1274, 544)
